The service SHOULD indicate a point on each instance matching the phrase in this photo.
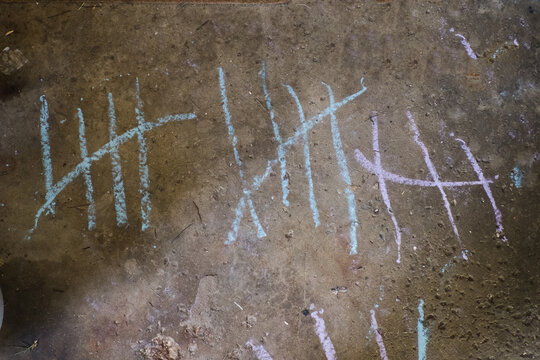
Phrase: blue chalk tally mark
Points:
(46, 150)
(247, 193)
(344, 172)
(422, 332)
(281, 149)
(146, 205)
(55, 189)
(118, 183)
(516, 175)
(307, 157)
(258, 180)
(86, 173)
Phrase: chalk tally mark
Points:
(487, 189)
(112, 146)
(234, 141)
(307, 156)
(434, 174)
(382, 183)
(86, 174)
(376, 168)
(378, 336)
(146, 205)
(344, 172)
(422, 332)
(259, 350)
(281, 149)
(466, 45)
(46, 149)
(118, 183)
(285, 145)
(320, 330)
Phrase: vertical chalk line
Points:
(46, 149)
(259, 350)
(234, 141)
(307, 157)
(382, 182)
(422, 332)
(487, 189)
(86, 173)
(118, 183)
(58, 187)
(434, 175)
(320, 330)
(378, 336)
(344, 172)
(280, 150)
(146, 205)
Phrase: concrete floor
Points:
(242, 209)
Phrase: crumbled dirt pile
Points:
(162, 348)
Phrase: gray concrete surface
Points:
(206, 236)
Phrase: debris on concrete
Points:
(162, 348)
(11, 60)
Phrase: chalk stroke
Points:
(46, 149)
(466, 45)
(378, 336)
(307, 157)
(108, 148)
(234, 141)
(280, 150)
(118, 183)
(259, 350)
(86, 174)
(382, 183)
(344, 172)
(376, 168)
(434, 174)
(487, 189)
(298, 135)
(239, 211)
(516, 175)
(369, 166)
(146, 205)
(422, 332)
(320, 330)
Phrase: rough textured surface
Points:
(463, 70)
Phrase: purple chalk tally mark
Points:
(375, 167)
(320, 330)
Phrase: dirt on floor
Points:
(313, 180)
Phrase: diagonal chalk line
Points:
(320, 330)
(434, 175)
(234, 142)
(378, 336)
(292, 140)
(307, 157)
(259, 350)
(369, 166)
(108, 148)
(485, 184)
